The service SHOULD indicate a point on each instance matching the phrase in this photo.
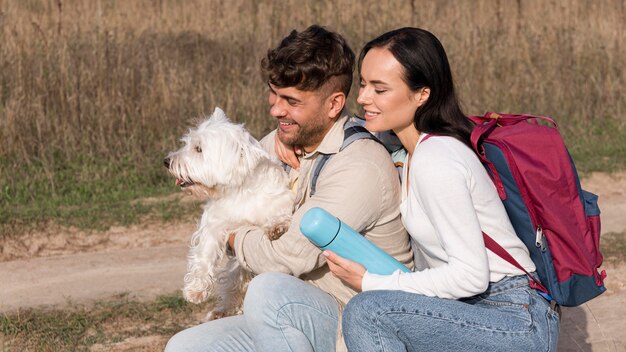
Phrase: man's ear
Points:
(336, 102)
(422, 96)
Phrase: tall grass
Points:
(94, 93)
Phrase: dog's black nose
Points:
(166, 162)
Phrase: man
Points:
(295, 303)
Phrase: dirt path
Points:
(65, 265)
(142, 272)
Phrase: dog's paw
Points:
(214, 315)
(274, 232)
(195, 296)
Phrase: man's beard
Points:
(306, 135)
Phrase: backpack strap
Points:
(391, 142)
(482, 129)
(352, 131)
(510, 119)
(496, 248)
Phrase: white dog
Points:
(223, 163)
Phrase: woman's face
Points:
(387, 101)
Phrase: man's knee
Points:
(179, 342)
(265, 292)
(267, 282)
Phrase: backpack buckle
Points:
(495, 116)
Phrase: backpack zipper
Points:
(539, 238)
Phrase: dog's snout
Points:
(166, 162)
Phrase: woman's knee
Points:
(361, 308)
(364, 303)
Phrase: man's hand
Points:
(231, 242)
(288, 154)
(348, 271)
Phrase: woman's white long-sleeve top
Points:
(449, 200)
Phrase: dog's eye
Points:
(198, 149)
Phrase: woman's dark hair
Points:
(309, 59)
(425, 64)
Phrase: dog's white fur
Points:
(222, 162)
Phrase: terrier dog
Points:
(222, 163)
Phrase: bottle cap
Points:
(319, 226)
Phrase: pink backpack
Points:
(558, 221)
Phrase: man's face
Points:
(303, 116)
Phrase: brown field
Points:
(110, 80)
(93, 93)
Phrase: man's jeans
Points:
(509, 316)
(281, 313)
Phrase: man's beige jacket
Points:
(360, 186)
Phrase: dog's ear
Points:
(219, 114)
(250, 152)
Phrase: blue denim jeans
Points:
(281, 313)
(509, 316)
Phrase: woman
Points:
(468, 298)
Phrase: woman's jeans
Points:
(281, 313)
(509, 316)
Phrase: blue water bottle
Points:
(328, 232)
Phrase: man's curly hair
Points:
(309, 59)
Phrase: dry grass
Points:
(94, 93)
(120, 324)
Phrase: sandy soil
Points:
(64, 265)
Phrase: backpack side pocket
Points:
(592, 214)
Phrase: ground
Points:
(61, 265)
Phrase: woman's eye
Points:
(380, 91)
(198, 149)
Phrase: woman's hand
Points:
(288, 154)
(348, 271)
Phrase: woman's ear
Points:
(422, 95)
(336, 102)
